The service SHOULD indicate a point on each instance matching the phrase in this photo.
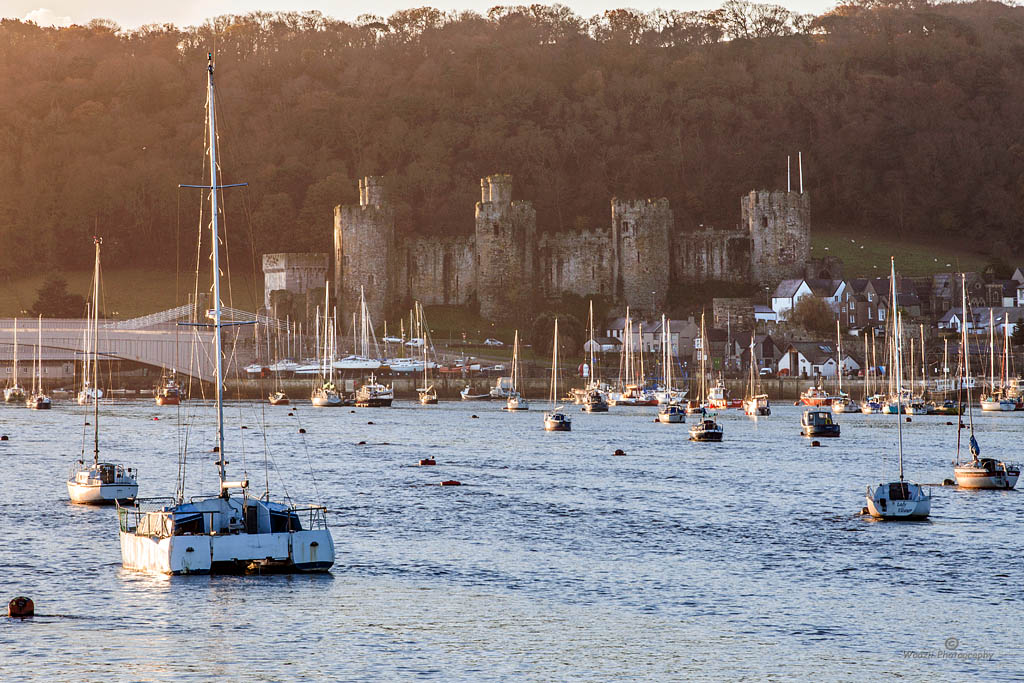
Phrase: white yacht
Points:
(99, 483)
(224, 533)
(555, 420)
(14, 392)
(898, 500)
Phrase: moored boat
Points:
(818, 423)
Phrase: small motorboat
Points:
(467, 395)
(557, 421)
(671, 413)
(986, 473)
(706, 430)
(516, 401)
(278, 398)
(818, 423)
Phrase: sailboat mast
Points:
(991, 351)
(967, 349)
(839, 357)
(593, 372)
(899, 369)
(15, 370)
(95, 358)
(215, 259)
(554, 367)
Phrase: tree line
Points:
(909, 116)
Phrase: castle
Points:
(508, 267)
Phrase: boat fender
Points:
(948, 482)
(619, 451)
(451, 482)
(21, 607)
(427, 461)
(302, 430)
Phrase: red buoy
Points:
(21, 607)
(428, 461)
(155, 419)
(451, 482)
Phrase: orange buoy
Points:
(428, 461)
(21, 607)
(451, 482)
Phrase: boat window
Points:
(284, 521)
(189, 524)
(899, 491)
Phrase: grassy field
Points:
(125, 293)
(868, 256)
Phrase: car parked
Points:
(490, 341)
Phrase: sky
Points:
(133, 13)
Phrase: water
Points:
(554, 560)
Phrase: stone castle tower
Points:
(641, 252)
(505, 238)
(779, 224)
(364, 239)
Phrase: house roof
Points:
(787, 289)
(824, 288)
(607, 341)
(814, 351)
(761, 308)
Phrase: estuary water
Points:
(555, 560)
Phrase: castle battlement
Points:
(507, 265)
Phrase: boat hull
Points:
(672, 418)
(822, 430)
(998, 406)
(280, 552)
(968, 477)
(374, 402)
(167, 400)
(326, 401)
(706, 436)
(102, 494)
(595, 407)
(913, 506)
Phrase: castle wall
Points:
(439, 271)
(779, 224)
(364, 238)
(711, 255)
(505, 240)
(296, 273)
(641, 252)
(575, 262)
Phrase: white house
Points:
(789, 292)
(814, 359)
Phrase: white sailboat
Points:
(898, 500)
(372, 394)
(755, 405)
(995, 400)
(516, 400)
(699, 406)
(13, 391)
(99, 483)
(595, 398)
(842, 403)
(324, 393)
(555, 420)
(427, 393)
(89, 389)
(669, 412)
(224, 533)
(978, 473)
(38, 400)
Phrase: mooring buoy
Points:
(3, 438)
(370, 422)
(361, 443)
(21, 607)
(302, 430)
(815, 443)
(451, 482)
(427, 461)
(619, 451)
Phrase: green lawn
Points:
(125, 293)
(868, 256)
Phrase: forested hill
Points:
(910, 118)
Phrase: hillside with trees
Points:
(909, 116)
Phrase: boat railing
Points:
(149, 518)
